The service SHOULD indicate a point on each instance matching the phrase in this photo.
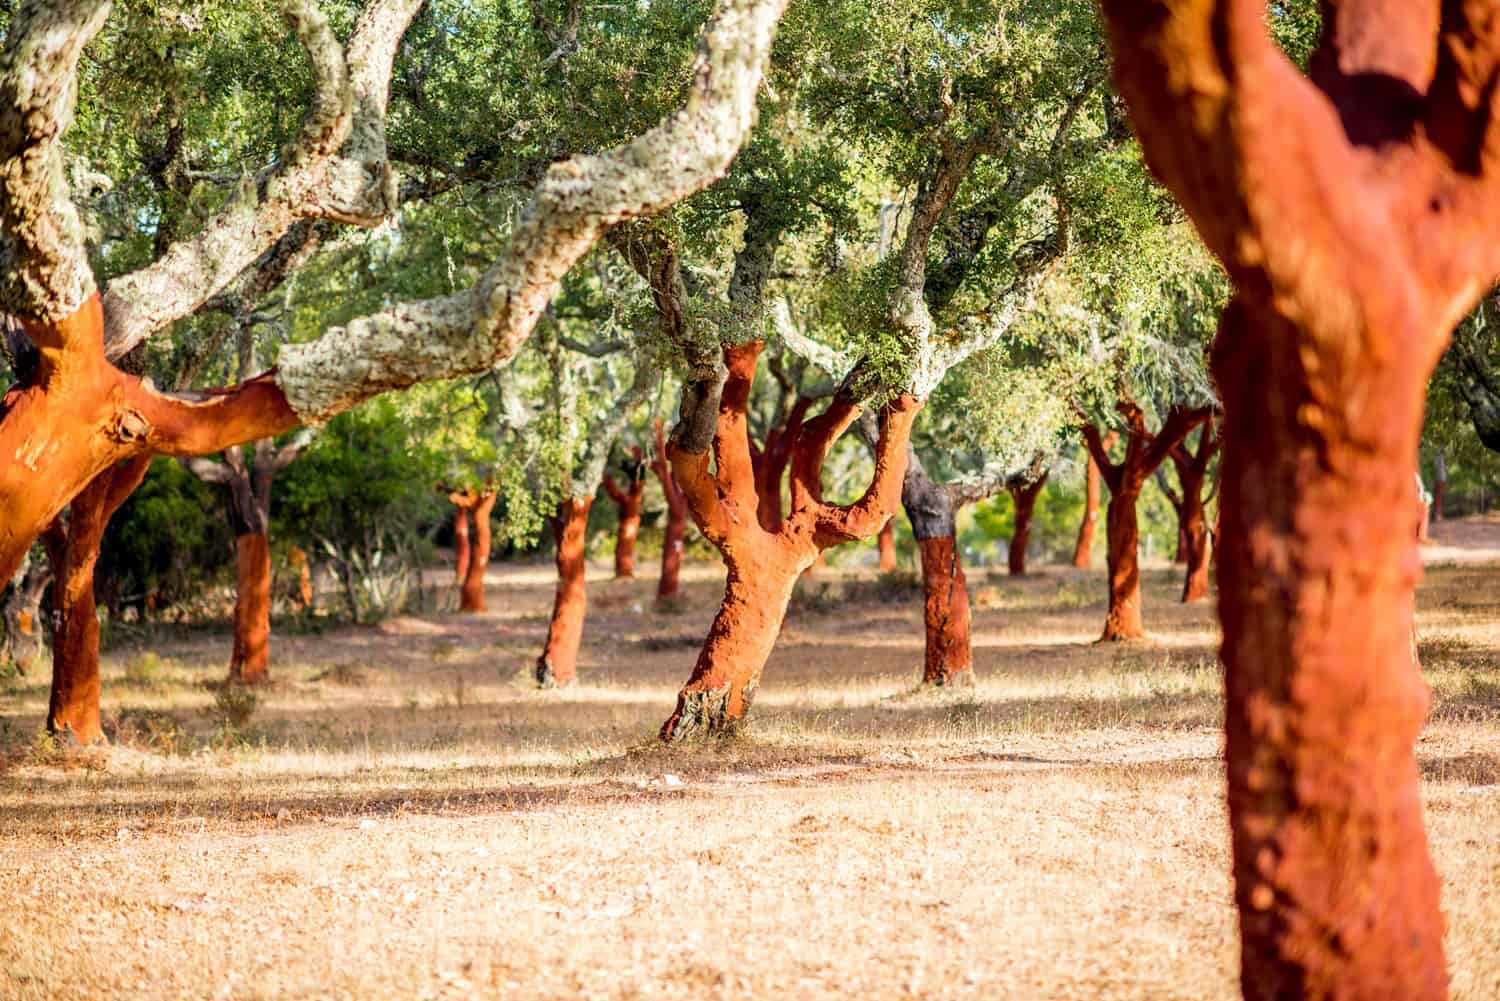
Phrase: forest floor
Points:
(400, 815)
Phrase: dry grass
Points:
(401, 816)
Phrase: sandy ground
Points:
(401, 816)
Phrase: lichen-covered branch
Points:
(575, 203)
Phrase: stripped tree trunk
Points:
(1144, 452)
(932, 512)
(1024, 495)
(887, 542)
(473, 550)
(1083, 549)
(763, 565)
(674, 533)
(557, 667)
(627, 500)
(1354, 212)
(24, 641)
(461, 547)
(73, 549)
(1192, 474)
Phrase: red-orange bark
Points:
(250, 661)
(1144, 452)
(476, 547)
(770, 464)
(950, 650)
(1083, 549)
(887, 541)
(73, 548)
(674, 533)
(557, 667)
(1192, 474)
(764, 565)
(1355, 213)
(461, 546)
(1025, 501)
(627, 500)
(83, 415)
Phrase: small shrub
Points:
(671, 605)
(233, 706)
(151, 730)
(147, 670)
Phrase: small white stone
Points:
(671, 781)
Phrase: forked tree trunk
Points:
(557, 667)
(947, 644)
(887, 541)
(73, 708)
(674, 533)
(763, 566)
(1025, 501)
(1123, 535)
(1144, 453)
(471, 586)
(1083, 549)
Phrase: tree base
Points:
(546, 677)
(704, 713)
(955, 679)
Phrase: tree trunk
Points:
(1195, 539)
(1025, 501)
(461, 553)
(628, 507)
(1317, 570)
(1122, 531)
(24, 640)
(950, 650)
(73, 708)
(887, 538)
(297, 556)
(675, 530)
(1083, 549)
(1439, 484)
(557, 667)
(250, 662)
(471, 594)
(722, 686)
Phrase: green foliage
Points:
(167, 540)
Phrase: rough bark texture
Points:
(945, 590)
(557, 667)
(1083, 549)
(1355, 212)
(887, 542)
(25, 639)
(1144, 452)
(45, 462)
(1025, 497)
(674, 533)
(764, 566)
(628, 500)
(73, 549)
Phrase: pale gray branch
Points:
(575, 203)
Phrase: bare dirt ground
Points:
(402, 816)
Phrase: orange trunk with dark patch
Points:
(1123, 536)
(950, 649)
(471, 592)
(887, 542)
(557, 667)
(1025, 501)
(251, 659)
(73, 708)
